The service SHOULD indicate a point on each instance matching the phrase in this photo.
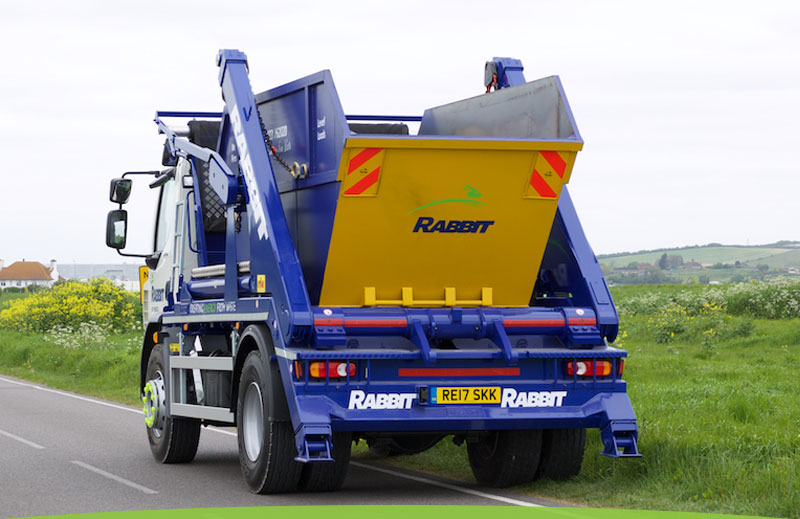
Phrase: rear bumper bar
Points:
(376, 410)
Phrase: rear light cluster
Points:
(317, 369)
(590, 368)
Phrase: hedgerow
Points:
(67, 305)
(773, 299)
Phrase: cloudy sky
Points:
(689, 110)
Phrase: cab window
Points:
(165, 204)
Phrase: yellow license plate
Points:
(465, 395)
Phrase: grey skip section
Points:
(419, 479)
(116, 478)
(21, 440)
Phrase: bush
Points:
(707, 323)
(691, 302)
(68, 305)
(774, 299)
(670, 321)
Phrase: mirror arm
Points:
(153, 173)
(163, 177)
(132, 255)
(152, 260)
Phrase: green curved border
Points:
(398, 512)
(472, 193)
(449, 200)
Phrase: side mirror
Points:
(117, 229)
(167, 158)
(121, 190)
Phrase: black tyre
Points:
(172, 440)
(403, 444)
(505, 458)
(562, 453)
(266, 444)
(328, 476)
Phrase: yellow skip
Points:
(443, 222)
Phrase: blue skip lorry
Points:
(320, 278)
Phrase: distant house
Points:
(692, 265)
(21, 274)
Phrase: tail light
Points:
(590, 368)
(335, 369)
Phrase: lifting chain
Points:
(271, 146)
(296, 170)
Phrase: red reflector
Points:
(621, 364)
(588, 368)
(335, 369)
(533, 323)
(458, 372)
(328, 321)
(376, 323)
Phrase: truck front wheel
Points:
(172, 440)
(505, 458)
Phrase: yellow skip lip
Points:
(460, 143)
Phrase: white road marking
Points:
(71, 395)
(448, 486)
(221, 431)
(21, 440)
(427, 481)
(94, 401)
(116, 478)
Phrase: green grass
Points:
(108, 370)
(718, 433)
(10, 296)
(707, 256)
(719, 429)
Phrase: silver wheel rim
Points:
(155, 404)
(253, 421)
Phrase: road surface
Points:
(65, 453)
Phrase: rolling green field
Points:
(772, 256)
(786, 259)
(713, 383)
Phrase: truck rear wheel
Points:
(266, 445)
(172, 440)
(505, 458)
(562, 453)
(328, 476)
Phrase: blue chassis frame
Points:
(303, 333)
